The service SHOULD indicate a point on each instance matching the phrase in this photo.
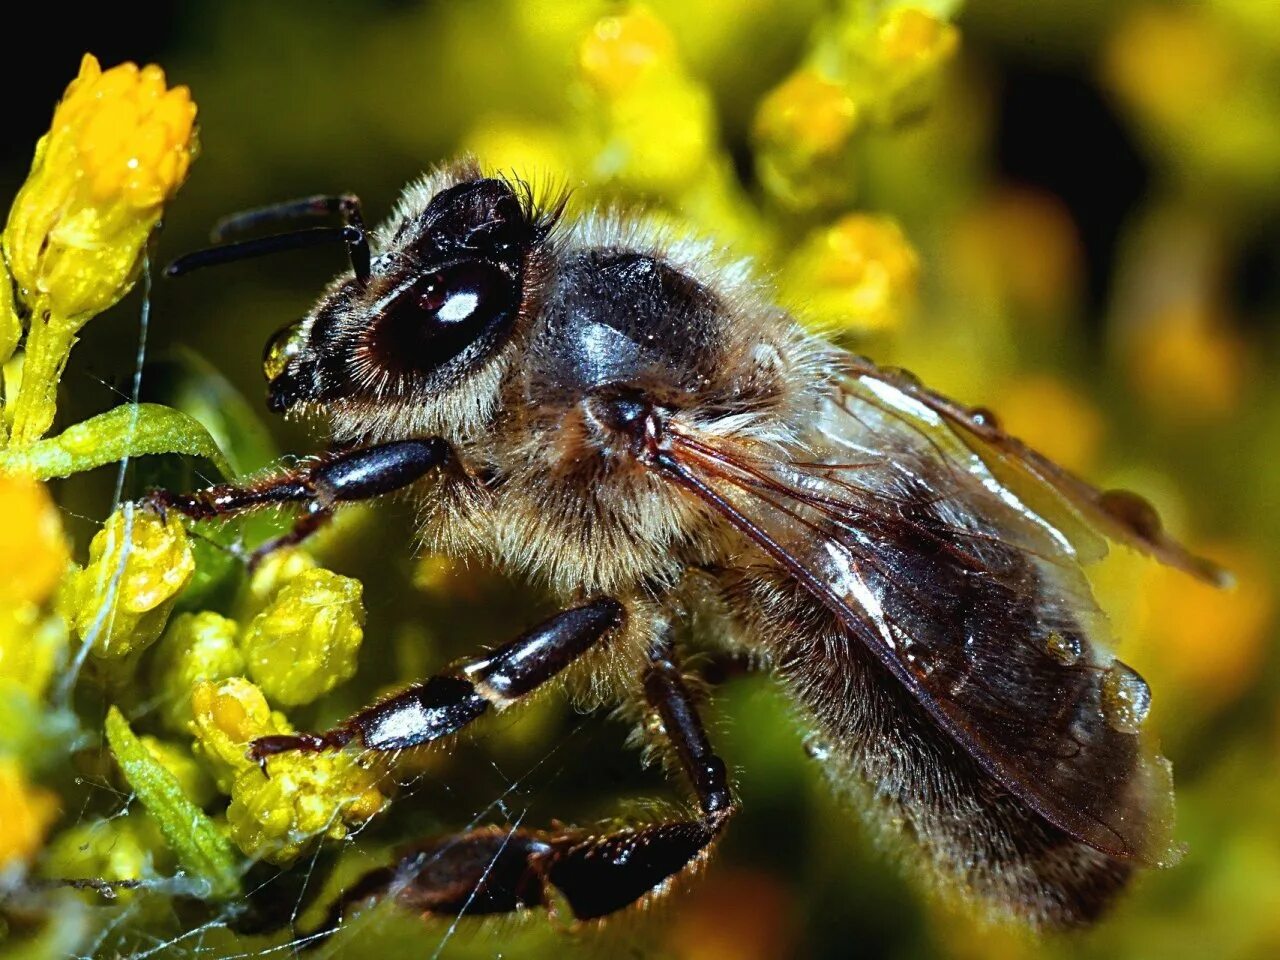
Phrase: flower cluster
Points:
(119, 148)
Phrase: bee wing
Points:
(1078, 509)
(975, 603)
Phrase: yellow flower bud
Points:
(226, 716)
(858, 275)
(620, 50)
(802, 129)
(197, 646)
(33, 550)
(304, 642)
(915, 37)
(307, 795)
(138, 564)
(279, 568)
(26, 812)
(119, 147)
(807, 114)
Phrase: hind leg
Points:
(593, 874)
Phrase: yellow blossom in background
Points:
(1053, 417)
(654, 124)
(1208, 644)
(537, 153)
(911, 47)
(619, 51)
(802, 128)
(33, 549)
(32, 645)
(306, 795)
(119, 147)
(138, 563)
(26, 811)
(1186, 362)
(857, 276)
(305, 641)
(1171, 61)
(1021, 247)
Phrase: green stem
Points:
(49, 343)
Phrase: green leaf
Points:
(196, 841)
(127, 431)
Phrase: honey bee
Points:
(624, 417)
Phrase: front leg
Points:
(319, 486)
(448, 702)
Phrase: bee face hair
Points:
(447, 289)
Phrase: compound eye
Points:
(284, 346)
(462, 308)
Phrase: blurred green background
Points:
(1065, 211)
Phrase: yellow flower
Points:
(119, 147)
(306, 795)
(26, 812)
(226, 716)
(807, 113)
(620, 50)
(1020, 245)
(802, 129)
(857, 276)
(33, 550)
(138, 564)
(197, 646)
(915, 37)
(304, 642)
(1170, 62)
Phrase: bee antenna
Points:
(352, 233)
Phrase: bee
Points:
(624, 417)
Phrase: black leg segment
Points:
(320, 485)
(446, 703)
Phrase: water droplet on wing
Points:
(1126, 698)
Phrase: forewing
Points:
(1078, 509)
(974, 602)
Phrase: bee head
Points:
(440, 301)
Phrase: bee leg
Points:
(447, 702)
(497, 870)
(321, 485)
